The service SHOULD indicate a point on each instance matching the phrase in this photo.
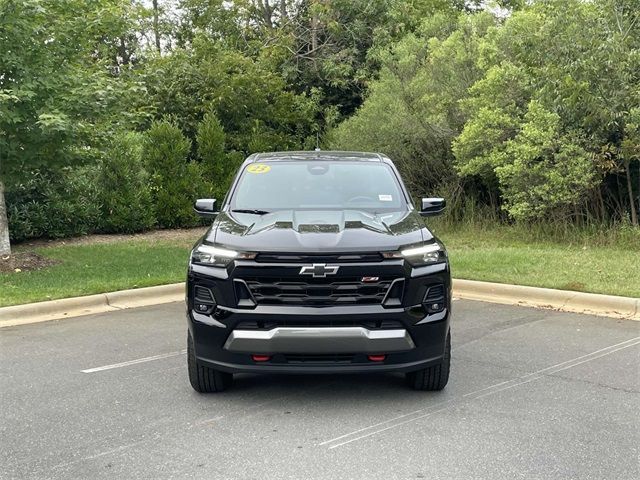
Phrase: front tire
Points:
(435, 377)
(204, 379)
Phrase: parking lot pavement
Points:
(533, 394)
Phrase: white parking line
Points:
(134, 362)
(477, 394)
(563, 366)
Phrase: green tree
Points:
(217, 165)
(413, 111)
(211, 146)
(328, 47)
(583, 74)
(241, 91)
(60, 96)
(165, 154)
(542, 168)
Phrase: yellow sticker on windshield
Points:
(258, 168)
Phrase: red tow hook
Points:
(260, 358)
(376, 358)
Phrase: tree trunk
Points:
(156, 26)
(126, 58)
(315, 21)
(315, 25)
(632, 201)
(266, 10)
(602, 208)
(5, 247)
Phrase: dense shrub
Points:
(140, 179)
(199, 185)
(174, 184)
(74, 208)
(125, 191)
(213, 160)
(26, 206)
(217, 166)
(211, 141)
(63, 204)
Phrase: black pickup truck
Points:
(318, 262)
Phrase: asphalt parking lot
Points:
(533, 394)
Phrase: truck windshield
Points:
(318, 185)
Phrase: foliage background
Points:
(115, 115)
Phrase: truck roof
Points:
(316, 155)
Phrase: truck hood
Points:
(317, 231)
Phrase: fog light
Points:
(435, 307)
(434, 298)
(203, 300)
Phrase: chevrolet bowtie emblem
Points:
(319, 270)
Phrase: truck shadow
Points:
(244, 383)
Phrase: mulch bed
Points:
(24, 262)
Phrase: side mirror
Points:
(432, 206)
(205, 207)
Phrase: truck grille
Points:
(317, 292)
(316, 258)
(283, 321)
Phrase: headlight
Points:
(216, 256)
(425, 254)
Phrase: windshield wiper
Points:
(249, 210)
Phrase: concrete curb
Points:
(102, 302)
(562, 300)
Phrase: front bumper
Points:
(327, 339)
(419, 344)
(319, 340)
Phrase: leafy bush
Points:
(211, 140)
(125, 191)
(172, 185)
(199, 185)
(116, 195)
(54, 205)
(213, 159)
(26, 207)
(73, 206)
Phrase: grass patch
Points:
(88, 269)
(513, 255)
(500, 254)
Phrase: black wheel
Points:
(434, 377)
(204, 379)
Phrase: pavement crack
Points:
(590, 382)
(489, 364)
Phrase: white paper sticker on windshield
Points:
(385, 198)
